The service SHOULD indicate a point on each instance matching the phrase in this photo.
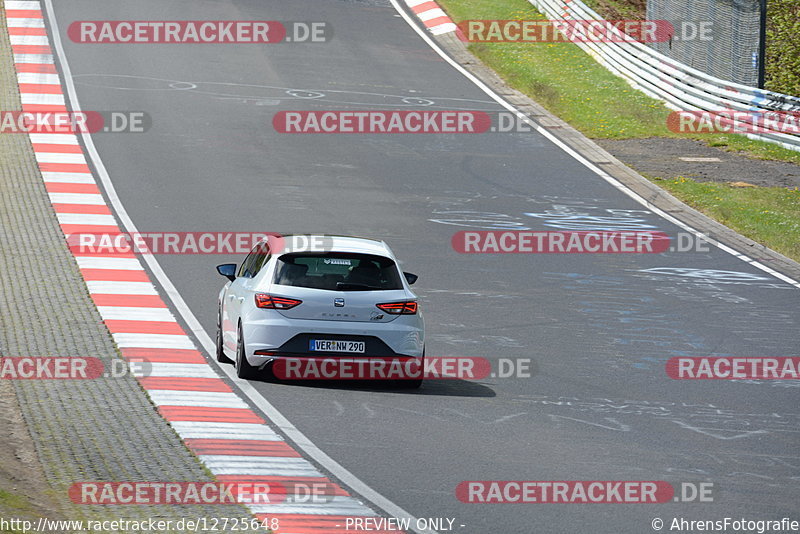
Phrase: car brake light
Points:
(408, 307)
(272, 302)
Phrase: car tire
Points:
(221, 358)
(243, 368)
(417, 382)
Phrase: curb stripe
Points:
(94, 262)
(237, 448)
(432, 16)
(222, 415)
(181, 370)
(213, 420)
(38, 67)
(424, 6)
(144, 327)
(77, 198)
(134, 301)
(121, 288)
(113, 275)
(211, 430)
(314, 524)
(67, 178)
(154, 341)
(135, 314)
(81, 208)
(163, 355)
(73, 148)
(185, 384)
(73, 188)
(211, 399)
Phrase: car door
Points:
(239, 290)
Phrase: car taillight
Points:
(272, 302)
(408, 307)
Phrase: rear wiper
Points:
(349, 286)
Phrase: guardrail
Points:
(680, 86)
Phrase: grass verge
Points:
(573, 86)
(13, 505)
(768, 215)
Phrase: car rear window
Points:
(337, 271)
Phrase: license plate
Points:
(334, 345)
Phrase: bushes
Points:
(783, 46)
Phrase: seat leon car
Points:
(347, 300)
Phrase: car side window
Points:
(244, 269)
(254, 261)
(261, 258)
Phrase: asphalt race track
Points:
(597, 328)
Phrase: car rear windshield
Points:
(337, 271)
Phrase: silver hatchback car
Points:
(346, 299)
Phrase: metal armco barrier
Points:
(680, 86)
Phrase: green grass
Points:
(768, 215)
(573, 86)
(13, 505)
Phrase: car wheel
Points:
(243, 368)
(417, 382)
(221, 358)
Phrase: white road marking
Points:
(34, 59)
(60, 157)
(260, 465)
(216, 430)
(447, 27)
(180, 370)
(152, 341)
(22, 22)
(22, 4)
(99, 262)
(38, 78)
(431, 14)
(90, 219)
(113, 287)
(42, 98)
(700, 160)
(54, 139)
(68, 177)
(334, 505)
(127, 313)
(209, 399)
(92, 199)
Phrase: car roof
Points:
(336, 243)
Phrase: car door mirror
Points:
(410, 278)
(228, 270)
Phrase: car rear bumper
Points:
(267, 339)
